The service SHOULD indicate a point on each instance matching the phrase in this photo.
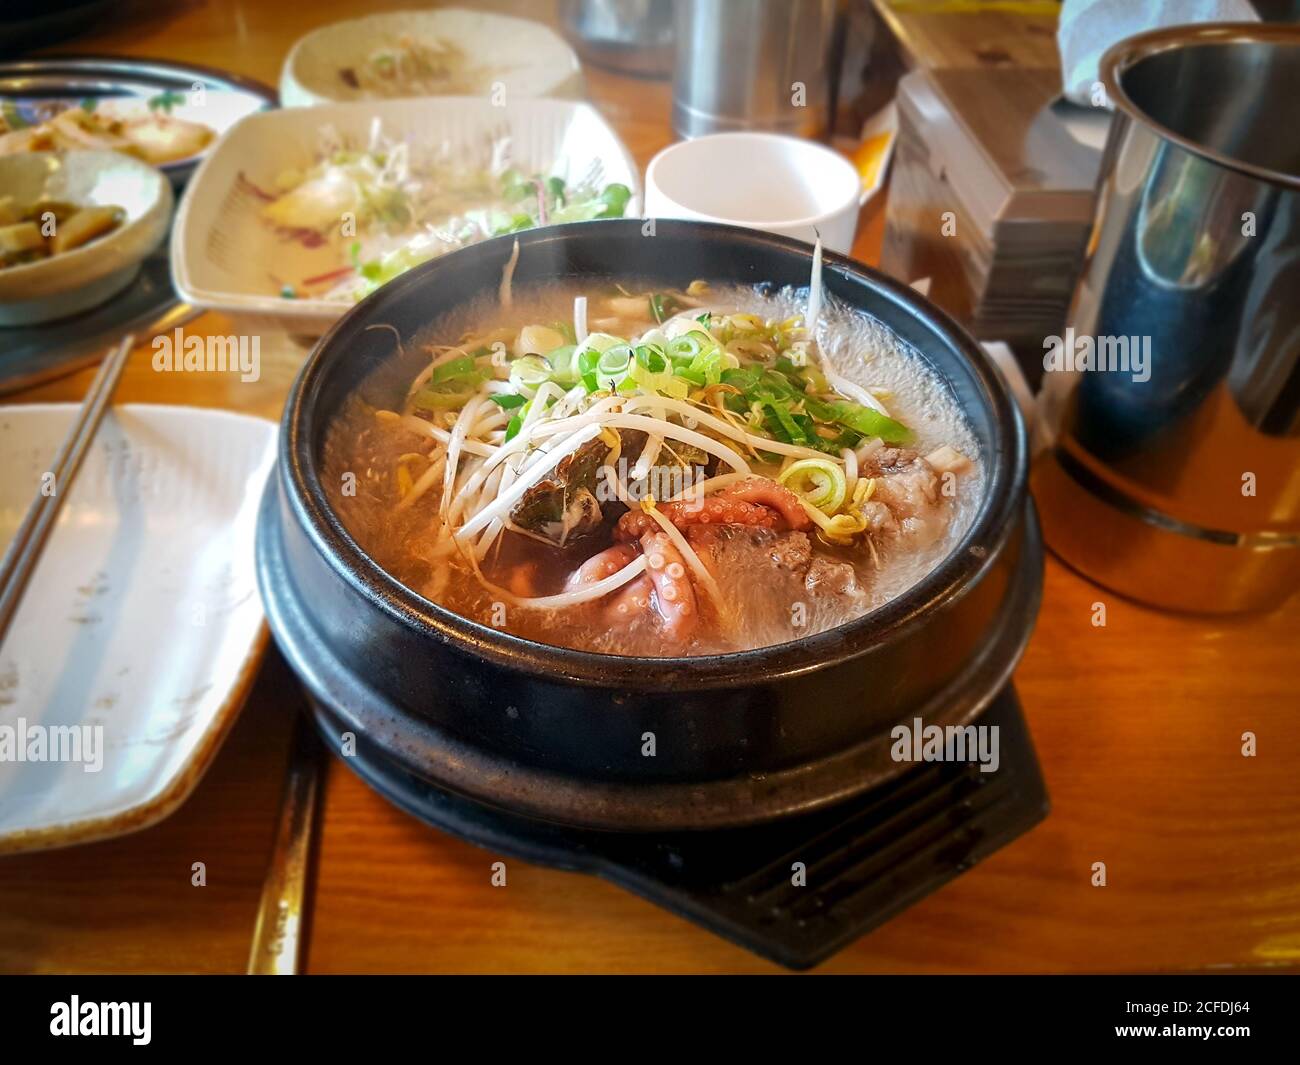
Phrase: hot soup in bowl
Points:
(635, 529)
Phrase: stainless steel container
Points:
(625, 36)
(1183, 489)
(754, 65)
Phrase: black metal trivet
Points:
(866, 859)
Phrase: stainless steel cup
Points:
(754, 65)
(1183, 489)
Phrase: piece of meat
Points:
(789, 550)
(889, 460)
(793, 551)
(908, 487)
(879, 518)
(827, 577)
(779, 588)
(912, 496)
(755, 550)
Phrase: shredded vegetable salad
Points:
(385, 213)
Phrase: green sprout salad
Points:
(384, 214)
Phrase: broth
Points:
(754, 553)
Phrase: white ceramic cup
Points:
(761, 180)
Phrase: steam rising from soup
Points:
(637, 471)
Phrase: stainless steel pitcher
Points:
(1183, 489)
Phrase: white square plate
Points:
(142, 617)
(226, 257)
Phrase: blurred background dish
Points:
(448, 52)
(246, 239)
(145, 129)
(99, 183)
(624, 36)
(761, 180)
(170, 114)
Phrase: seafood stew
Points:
(656, 473)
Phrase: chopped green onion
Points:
(791, 430)
(815, 381)
(463, 368)
(564, 365)
(819, 482)
(869, 422)
(652, 358)
(529, 372)
(431, 399)
(612, 366)
(586, 363)
(651, 371)
(685, 346)
(746, 378)
(708, 365)
(507, 401)
(614, 361)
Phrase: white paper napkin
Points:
(1088, 27)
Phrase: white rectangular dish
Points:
(141, 630)
(226, 257)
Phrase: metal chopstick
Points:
(29, 541)
(279, 935)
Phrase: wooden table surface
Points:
(1138, 725)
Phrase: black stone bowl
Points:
(561, 735)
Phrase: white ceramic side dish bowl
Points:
(226, 257)
(761, 180)
(84, 277)
(141, 624)
(514, 57)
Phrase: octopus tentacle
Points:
(629, 603)
(603, 564)
(715, 510)
(767, 493)
(674, 595)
